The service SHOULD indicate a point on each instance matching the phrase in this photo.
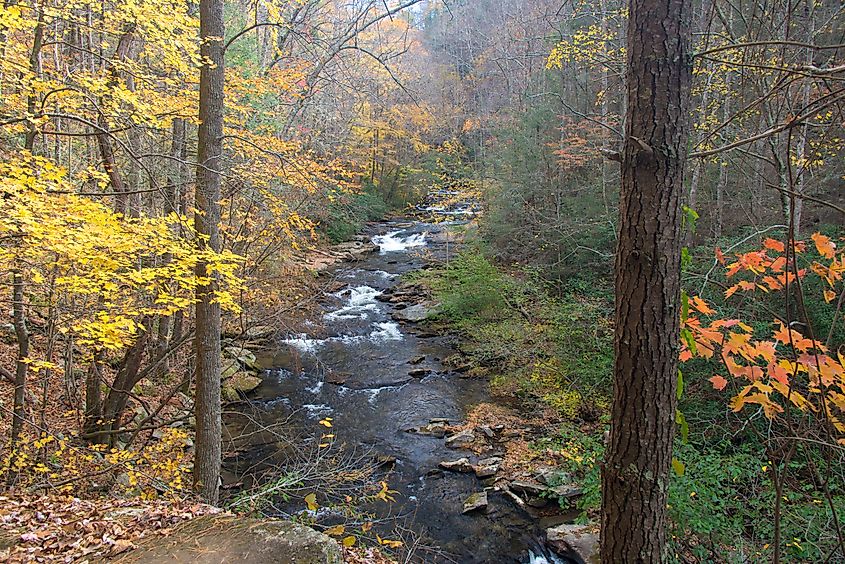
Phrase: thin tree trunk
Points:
(22, 336)
(208, 455)
(636, 467)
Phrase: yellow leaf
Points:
(678, 467)
(348, 541)
(311, 502)
(335, 531)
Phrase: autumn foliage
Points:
(779, 369)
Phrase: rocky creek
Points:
(388, 386)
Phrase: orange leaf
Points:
(701, 305)
(774, 245)
(829, 296)
(719, 256)
(719, 383)
(824, 245)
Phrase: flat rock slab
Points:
(213, 539)
(579, 543)
(475, 502)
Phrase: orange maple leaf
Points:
(824, 245)
(774, 245)
(719, 382)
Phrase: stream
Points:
(352, 365)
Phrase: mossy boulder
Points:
(226, 538)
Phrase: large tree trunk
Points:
(207, 342)
(636, 468)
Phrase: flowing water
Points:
(357, 342)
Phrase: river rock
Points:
(475, 502)
(385, 460)
(459, 465)
(242, 355)
(337, 378)
(464, 439)
(484, 472)
(244, 382)
(413, 313)
(528, 488)
(551, 477)
(487, 467)
(418, 372)
(576, 542)
(229, 367)
(436, 429)
(417, 359)
(537, 502)
(353, 249)
(259, 331)
(226, 538)
(566, 492)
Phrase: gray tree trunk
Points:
(207, 219)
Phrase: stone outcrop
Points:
(226, 538)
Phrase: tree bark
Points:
(636, 468)
(207, 219)
(22, 336)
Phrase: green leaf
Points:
(686, 258)
(678, 466)
(680, 391)
(690, 216)
(688, 338)
(682, 421)
(684, 306)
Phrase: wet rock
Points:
(337, 378)
(459, 465)
(418, 372)
(464, 439)
(475, 502)
(425, 334)
(353, 249)
(527, 488)
(226, 538)
(417, 359)
(436, 429)
(385, 460)
(577, 542)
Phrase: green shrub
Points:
(348, 214)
